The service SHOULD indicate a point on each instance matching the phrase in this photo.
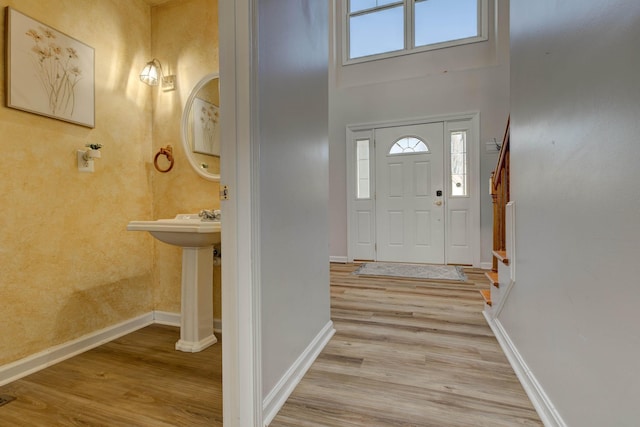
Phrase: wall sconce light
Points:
(152, 72)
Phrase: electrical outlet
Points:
(84, 165)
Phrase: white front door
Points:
(409, 193)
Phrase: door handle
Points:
(438, 203)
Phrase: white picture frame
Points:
(48, 72)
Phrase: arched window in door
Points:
(408, 145)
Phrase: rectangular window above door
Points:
(377, 29)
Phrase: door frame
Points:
(241, 319)
(352, 132)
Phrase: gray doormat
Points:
(413, 271)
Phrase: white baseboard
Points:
(541, 402)
(280, 393)
(173, 319)
(486, 265)
(166, 318)
(339, 259)
(36, 362)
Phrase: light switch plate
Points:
(168, 83)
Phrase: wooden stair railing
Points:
(493, 278)
(486, 295)
(500, 196)
(499, 188)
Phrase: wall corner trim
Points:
(166, 318)
(276, 398)
(543, 405)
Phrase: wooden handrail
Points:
(499, 186)
(504, 149)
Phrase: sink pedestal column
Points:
(196, 324)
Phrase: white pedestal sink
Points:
(196, 237)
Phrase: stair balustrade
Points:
(499, 190)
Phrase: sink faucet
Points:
(210, 215)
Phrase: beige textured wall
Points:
(68, 265)
(185, 40)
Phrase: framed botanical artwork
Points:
(48, 72)
(206, 132)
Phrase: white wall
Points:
(292, 84)
(575, 108)
(467, 78)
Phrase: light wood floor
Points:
(406, 353)
(135, 381)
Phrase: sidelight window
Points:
(363, 173)
(459, 176)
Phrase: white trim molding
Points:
(450, 121)
(241, 352)
(50, 356)
(38, 361)
(541, 402)
(280, 393)
(166, 318)
(173, 319)
(339, 259)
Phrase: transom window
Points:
(382, 28)
(409, 145)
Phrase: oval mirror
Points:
(201, 127)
